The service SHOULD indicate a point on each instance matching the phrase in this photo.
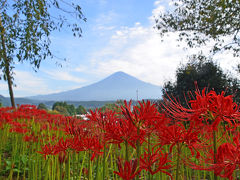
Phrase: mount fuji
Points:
(114, 87)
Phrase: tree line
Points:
(65, 109)
(199, 74)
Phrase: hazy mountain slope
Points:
(116, 86)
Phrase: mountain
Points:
(116, 86)
(5, 101)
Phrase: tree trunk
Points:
(10, 84)
(6, 64)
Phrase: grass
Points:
(38, 145)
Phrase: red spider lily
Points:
(63, 145)
(75, 128)
(123, 130)
(215, 108)
(48, 149)
(177, 134)
(87, 144)
(157, 160)
(228, 159)
(128, 170)
(132, 125)
(101, 118)
(18, 130)
(30, 138)
(142, 116)
(206, 109)
(101, 122)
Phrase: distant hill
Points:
(116, 86)
(6, 101)
(87, 104)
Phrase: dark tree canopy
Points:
(61, 110)
(64, 108)
(42, 106)
(206, 74)
(25, 29)
(80, 110)
(199, 21)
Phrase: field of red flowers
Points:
(139, 142)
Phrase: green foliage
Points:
(42, 106)
(28, 25)
(61, 110)
(64, 108)
(80, 110)
(71, 109)
(109, 106)
(113, 106)
(206, 74)
(25, 29)
(199, 21)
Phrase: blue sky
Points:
(118, 36)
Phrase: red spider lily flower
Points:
(215, 108)
(63, 145)
(30, 138)
(157, 160)
(101, 118)
(133, 124)
(113, 133)
(228, 159)
(142, 115)
(48, 149)
(206, 109)
(100, 122)
(18, 130)
(76, 129)
(128, 170)
(123, 130)
(177, 134)
(87, 143)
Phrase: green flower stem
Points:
(215, 151)
(83, 161)
(149, 151)
(126, 151)
(96, 177)
(178, 161)
(138, 151)
(104, 161)
(89, 164)
(69, 166)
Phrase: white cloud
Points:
(64, 76)
(3, 86)
(139, 51)
(156, 11)
(156, 3)
(27, 84)
(105, 22)
(80, 69)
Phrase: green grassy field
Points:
(137, 142)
